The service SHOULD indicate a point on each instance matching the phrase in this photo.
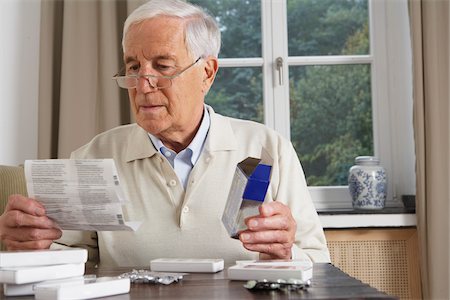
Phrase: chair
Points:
(12, 181)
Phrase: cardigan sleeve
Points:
(293, 191)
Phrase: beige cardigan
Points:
(187, 224)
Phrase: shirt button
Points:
(208, 159)
(186, 209)
(167, 153)
(173, 182)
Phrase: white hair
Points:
(202, 34)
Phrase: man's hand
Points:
(271, 233)
(24, 225)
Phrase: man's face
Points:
(157, 47)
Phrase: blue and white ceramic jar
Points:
(367, 183)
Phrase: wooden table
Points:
(328, 282)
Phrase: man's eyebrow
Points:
(129, 59)
(171, 57)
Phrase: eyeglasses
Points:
(156, 81)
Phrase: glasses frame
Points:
(117, 77)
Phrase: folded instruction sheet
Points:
(79, 194)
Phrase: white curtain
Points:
(80, 52)
(430, 35)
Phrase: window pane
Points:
(331, 119)
(240, 25)
(327, 27)
(237, 92)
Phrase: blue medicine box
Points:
(258, 179)
(248, 190)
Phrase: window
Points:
(329, 76)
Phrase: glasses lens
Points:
(158, 82)
(126, 82)
(163, 83)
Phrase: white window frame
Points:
(391, 82)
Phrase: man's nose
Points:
(146, 84)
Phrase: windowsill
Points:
(387, 217)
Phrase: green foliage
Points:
(331, 107)
(358, 43)
(322, 27)
(335, 157)
(240, 24)
(237, 92)
(331, 120)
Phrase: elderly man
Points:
(177, 162)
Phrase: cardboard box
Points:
(272, 270)
(30, 258)
(21, 275)
(248, 190)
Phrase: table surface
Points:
(328, 282)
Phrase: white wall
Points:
(19, 78)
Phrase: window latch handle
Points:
(279, 64)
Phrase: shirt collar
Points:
(220, 137)
(196, 146)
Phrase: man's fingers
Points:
(265, 256)
(24, 234)
(16, 218)
(275, 250)
(263, 237)
(279, 222)
(272, 232)
(27, 205)
(29, 245)
(273, 208)
(24, 225)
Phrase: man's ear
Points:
(209, 74)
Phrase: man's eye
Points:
(164, 68)
(132, 69)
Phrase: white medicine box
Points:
(248, 190)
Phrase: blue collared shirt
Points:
(184, 161)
